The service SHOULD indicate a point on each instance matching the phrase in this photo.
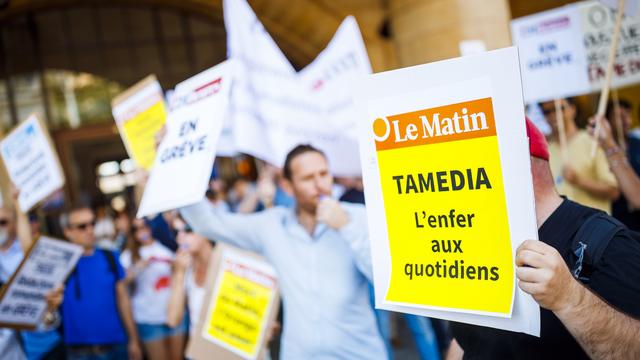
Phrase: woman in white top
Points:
(189, 274)
(149, 272)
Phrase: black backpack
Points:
(590, 242)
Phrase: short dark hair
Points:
(64, 217)
(295, 152)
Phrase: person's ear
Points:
(287, 186)
(67, 233)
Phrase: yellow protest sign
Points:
(238, 309)
(140, 113)
(449, 190)
(452, 239)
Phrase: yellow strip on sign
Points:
(140, 134)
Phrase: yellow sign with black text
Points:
(446, 213)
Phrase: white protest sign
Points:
(598, 23)
(564, 51)
(445, 156)
(46, 265)
(273, 108)
(31, 162)
(631, 7)
(181, 171)
(552, 56)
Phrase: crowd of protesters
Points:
(138, 288)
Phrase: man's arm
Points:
(602, 331)
(597, 188)
(178, 297)
(241, 230)
(352, 225)
(124, 308)
(455, 352)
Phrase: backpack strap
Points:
(111, 259)
(590, 242)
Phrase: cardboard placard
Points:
(32, 162)
(47, 264)
(181, 171)
(140, 113)
(565, 51)
(449, 189)
(240, 305)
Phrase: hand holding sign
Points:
(543, 273)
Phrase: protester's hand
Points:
(605, 135)
(331, 213)
(543, 274)
(272, 331)
(133, 348)
(570, 175)
(183, 260)
(54, 298)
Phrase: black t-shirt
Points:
(616, 280)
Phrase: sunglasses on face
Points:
(83, 226)
(185, 229)
(4, 222)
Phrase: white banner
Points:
(273, 108)
(32, 162)
(181, 171)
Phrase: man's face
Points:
(81, 228)
(549, 110)
(310, 179)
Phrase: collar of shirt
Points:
(293, 226)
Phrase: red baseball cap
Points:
(537, 142)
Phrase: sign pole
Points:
(562, 134)
(604, 95)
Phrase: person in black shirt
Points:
(577, 321)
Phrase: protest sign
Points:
(46, 265)
(182, 168)
(572, 44)
(31, 161)
(631, 7)
(449, 190)
(140, 113)
(273, 108)
(239, 308)
(552, 56)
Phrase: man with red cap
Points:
(584, 273)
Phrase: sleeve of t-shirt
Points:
(617, 278)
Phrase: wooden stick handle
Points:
(562, 134)
(604, 95)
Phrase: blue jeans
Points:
(424, 336)
(117, 352)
